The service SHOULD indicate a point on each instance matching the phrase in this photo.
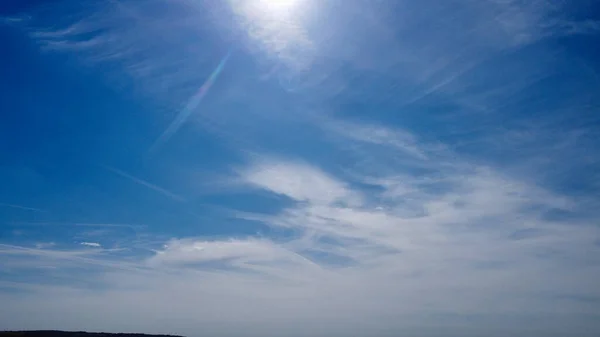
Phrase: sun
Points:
(278, 7)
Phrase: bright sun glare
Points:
(277, 6)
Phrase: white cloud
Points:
(400, 141)
(42, 245)
(298, 181)
(187, 251)
(91, 244)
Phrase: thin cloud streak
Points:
(21, 207)
(76, 224)
(191, 106)
(91, 244)
(146, 184)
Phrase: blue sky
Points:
(300, 167)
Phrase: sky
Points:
(300, 167)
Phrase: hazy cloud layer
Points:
(434, 250)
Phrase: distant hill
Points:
(52, 333)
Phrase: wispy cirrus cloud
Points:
(298, 181)
(41, 245)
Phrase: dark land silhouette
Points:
(54, 333)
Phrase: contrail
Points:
(21, 207)
(145, 183)
(192, 104)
